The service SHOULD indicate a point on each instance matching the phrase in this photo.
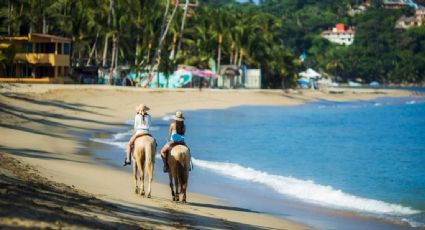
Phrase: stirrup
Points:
(165, 169)
(126, 163)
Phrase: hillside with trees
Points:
(271, 35)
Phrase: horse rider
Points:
(142, 123)
(176, 133)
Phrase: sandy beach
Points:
(46, 181)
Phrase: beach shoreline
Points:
(51, 114)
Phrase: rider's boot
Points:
(164, 159)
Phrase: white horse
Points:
(179, 165)
(143, 158)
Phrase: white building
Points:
(340, 35)
(253, 79)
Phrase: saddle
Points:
(173, 144)
(143, 134)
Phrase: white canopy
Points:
(309, 73)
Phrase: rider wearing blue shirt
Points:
(176, 133)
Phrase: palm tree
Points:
(156, 59)
(186, 6)
(105, 49)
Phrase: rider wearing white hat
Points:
(142, 123)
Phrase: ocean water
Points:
(312, 163)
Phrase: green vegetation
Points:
(270, 36)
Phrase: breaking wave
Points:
(306, 190)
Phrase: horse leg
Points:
(184, 186)
(171, 185)
(149, 170)
(142, 178)
(176, 183)
(136, 188)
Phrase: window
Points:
(26, 71)
(45, 48)
(49, 48)
(38, 47)
(44, 71)
(59, 48)
(27, 47)
(65, 71)
(66, 48)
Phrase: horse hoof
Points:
(136, 191)
(142, 193)
(149, 196)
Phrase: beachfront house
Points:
(397, 4)
(39, 58)
(340, 34)
(407, 22)
(420, 15)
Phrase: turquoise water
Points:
(364, 157)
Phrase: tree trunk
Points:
(92, 49)
(114, 50)
(105, 49)
(179, 44)
(235, 56)
(44, 30)
(9, 9)
(231, 56)
(96, 57)
(219, 54)
(149, 54)
(240, 57)
(137, 49)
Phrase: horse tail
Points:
(183, 166)
(149, 148)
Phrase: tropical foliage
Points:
(148, 34)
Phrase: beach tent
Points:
(374, 84)
(205, 73)
(229, 76)
(229, 70)
(309, 73)
(308, 78)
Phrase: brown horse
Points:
(179, 165)
(143, 158)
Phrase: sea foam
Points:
(119, 144)
(306, 190)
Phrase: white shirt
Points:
(142, 126)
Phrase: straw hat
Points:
(178, 116)
(142, 108)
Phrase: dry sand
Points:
(56, 187)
